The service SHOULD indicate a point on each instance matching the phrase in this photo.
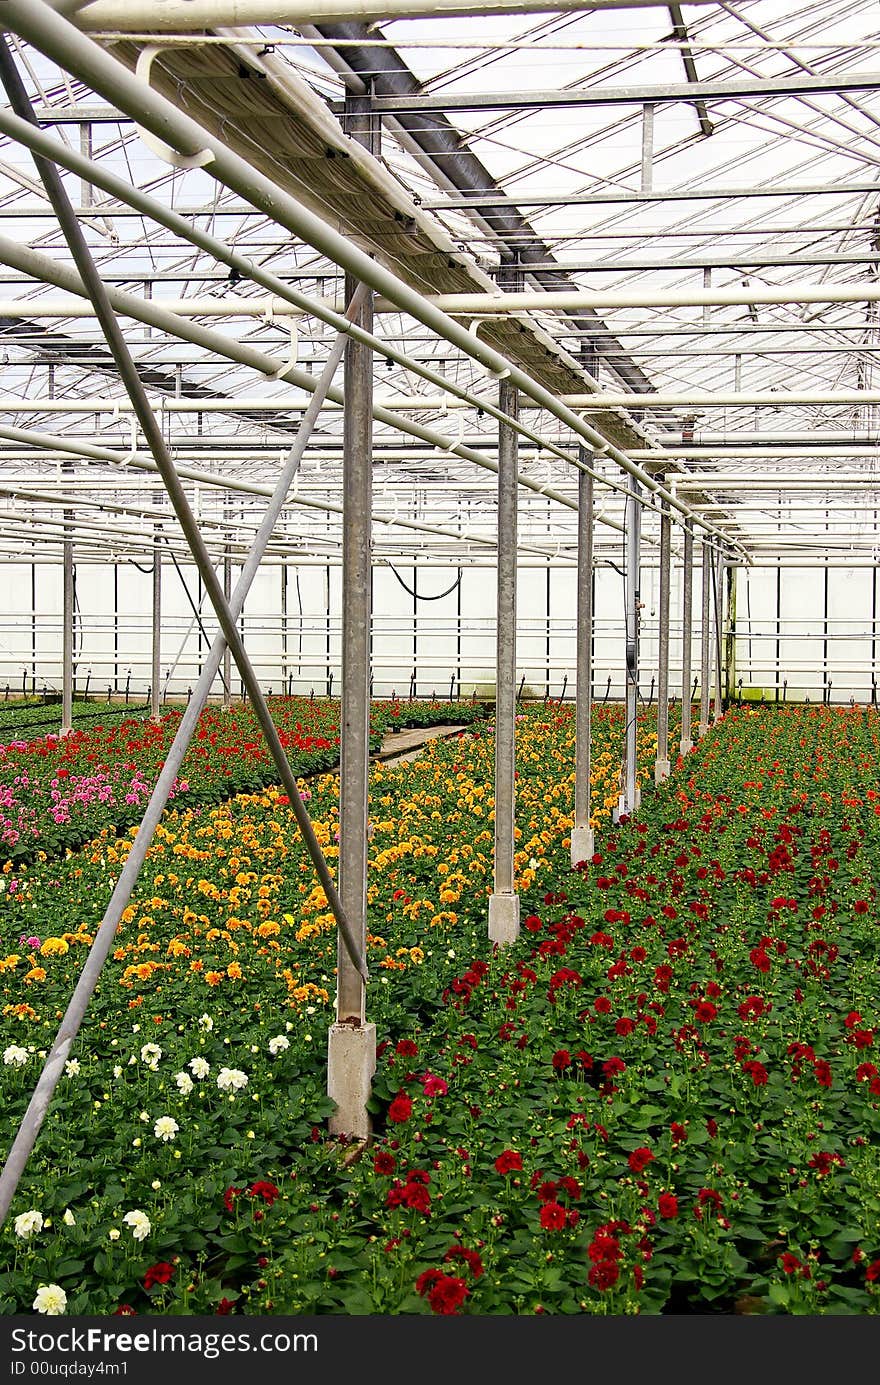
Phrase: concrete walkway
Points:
(399, 746)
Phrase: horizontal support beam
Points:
(786, 481)
(741, 88)
(427, 403)
(182, 16)
(723, 452)
(723, 399)
(503, 304)
(695, 194)
(476, 305)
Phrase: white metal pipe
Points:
(720, 399)
(778, 437)
(478, 305)
(183, 16)
(502, 304)
(441, 403)
(784, 480)
(727, 451)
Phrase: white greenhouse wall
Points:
(797, 630)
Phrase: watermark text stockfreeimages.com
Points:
(104, 1340)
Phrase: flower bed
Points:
(662, 1099)
(44, 717)
(227, 925)
(56, 793)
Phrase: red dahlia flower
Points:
(508, 1162)
(400, 1109)
(267, 1191)
(553, 1217)
(640, 1159)
(604, 1275)
(158, 1274)
(445, 1293)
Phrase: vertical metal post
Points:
(227, 589)
(778, 632)
(705, 639)
(825, 691)
(630, 797)
(730, 634)
(647, 147)
(115, 625)
(547, 630)
(351, 1050)
(67, 628)
(283, 626)
(582, 842)
(686, 743)
(156, 674)
(717, 588)
(86, 192)
(34, 624)
(504, 902)
(661, 764)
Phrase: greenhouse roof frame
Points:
(757, 53)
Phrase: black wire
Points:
(194, 608)
(147, 571)
(418, 595)
(299, 642)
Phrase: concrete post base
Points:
(703, 729)
(661, 771)
(625, 809)
(582, 844)
(351, 1063)
(686, 745)
(503, 919)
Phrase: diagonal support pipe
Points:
(70, 1024)
(153, 434)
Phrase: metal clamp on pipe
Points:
(474, 328)
(457, 442)
(133, 449)
(165, 152)
(293, 356)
